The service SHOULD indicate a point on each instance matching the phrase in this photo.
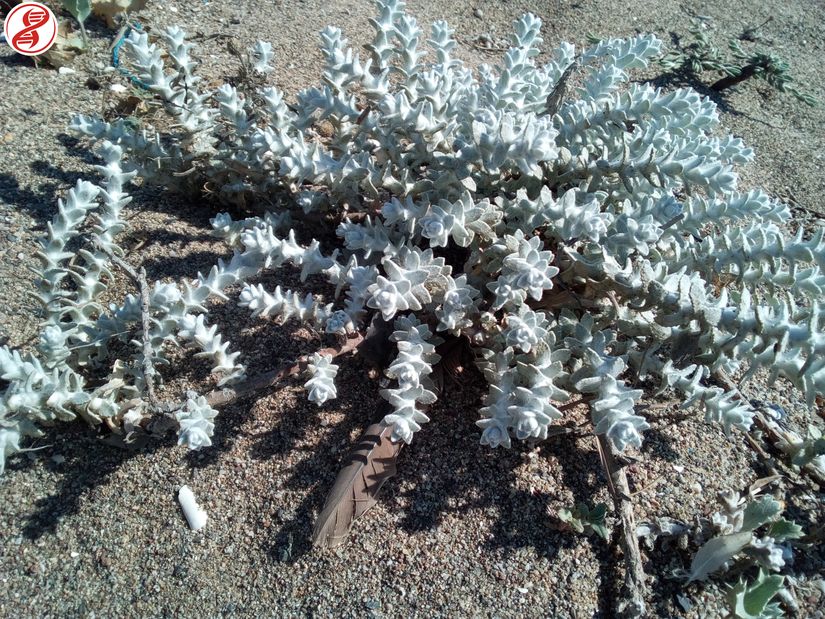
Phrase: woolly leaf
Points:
(715, 553)
(80, 9)
(760, 512)
(752, 600)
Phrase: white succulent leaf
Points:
(196, 422)
(321, 383)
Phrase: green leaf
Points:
(598, 513)
(569, 518)
(785, 529)
(760, 512)
(582, 518)
(715, 553)
(752, 601)
(80, 9)
(600, 529)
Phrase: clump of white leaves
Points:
(196, 425)
(575, 238)
(321, 385)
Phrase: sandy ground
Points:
(92, 530)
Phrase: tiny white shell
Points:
(195, 516)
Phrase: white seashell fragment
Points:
(195, 516)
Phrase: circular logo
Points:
(30, 28)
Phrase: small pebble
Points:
(66, 71)
(117, 88)
(478, 13)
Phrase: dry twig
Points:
(145, 323)
(634, 583)
(221, 397)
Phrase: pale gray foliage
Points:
(578, 242)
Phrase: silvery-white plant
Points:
(575, 237)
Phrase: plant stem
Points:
(145, 322)
(775, 435)
(220, 397)
(745, 72)
(634, 580)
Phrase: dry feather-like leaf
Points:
(67, 45)
(355, 489)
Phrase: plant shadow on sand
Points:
(89, 463)
(318, 468)
(93, 455)
(672, 81)
(445, 471)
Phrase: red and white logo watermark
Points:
(30, 28)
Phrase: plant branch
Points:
(139, 280)
(221, 397)
(634, 584)
(574, 404)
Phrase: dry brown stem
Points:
(634, 582)
(139, 280)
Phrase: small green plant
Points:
(737, 66)
(582, 519)
(752, 531)
(766, 66)
(752, 600)
(699, 56)
(80, 10)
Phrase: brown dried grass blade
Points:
(355, 489)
